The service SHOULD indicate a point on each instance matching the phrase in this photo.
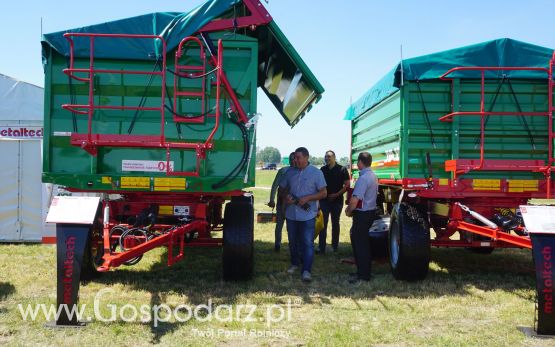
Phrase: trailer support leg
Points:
(543, 251)
(71, 240)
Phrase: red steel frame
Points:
(91, 141)
(258, 16)
(174, 235)
(459, 166)
(462, 189)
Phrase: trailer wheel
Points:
(238, 250)
(92, 258)
(409, 243)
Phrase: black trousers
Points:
(334, 208)
(360, 241)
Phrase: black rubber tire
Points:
(378, 246)
(90, 262)
(409, 243)
(238, 248)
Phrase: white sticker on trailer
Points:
(145, 165)
(181, 210)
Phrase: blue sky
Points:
(348, 44)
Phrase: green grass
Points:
(467, 299)
(265, 178)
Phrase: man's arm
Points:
(322, 193)
(352, 205)
(358, 193)
(342, 191)
(320, 184)
(275, 186)
(346, 183)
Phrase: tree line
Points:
(272, 155)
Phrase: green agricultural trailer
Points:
(158, 113)
(459, 139)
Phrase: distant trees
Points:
(268, 155)
(316, 161)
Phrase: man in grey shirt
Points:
(305, 185)
(362, 207)
(280, 210)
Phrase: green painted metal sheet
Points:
(398, 125)
(390, 120)
(377, 131)
(261, 57)
(74, 167)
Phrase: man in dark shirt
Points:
(337, 180)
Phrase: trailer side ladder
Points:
(91, 141)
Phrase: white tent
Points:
(24, 200)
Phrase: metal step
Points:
(189, 68)
(197, 94)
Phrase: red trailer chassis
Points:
(203, 217)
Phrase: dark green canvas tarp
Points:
(285, 78)
(172, 26)
(495, 53)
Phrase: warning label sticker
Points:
(167, 184)
(145, 165)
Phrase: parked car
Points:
(271, 166)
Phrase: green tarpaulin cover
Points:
(495, 53)
(285, 77)
(172, 26)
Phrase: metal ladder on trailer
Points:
(91, 141)
(190, 72)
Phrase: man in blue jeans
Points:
(305, 185)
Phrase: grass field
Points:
(467, 299)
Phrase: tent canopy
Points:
(20, 101)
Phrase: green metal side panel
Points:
(378, 131)
(506, 136)
(73, 167)
(396, 129)
(437, 102)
